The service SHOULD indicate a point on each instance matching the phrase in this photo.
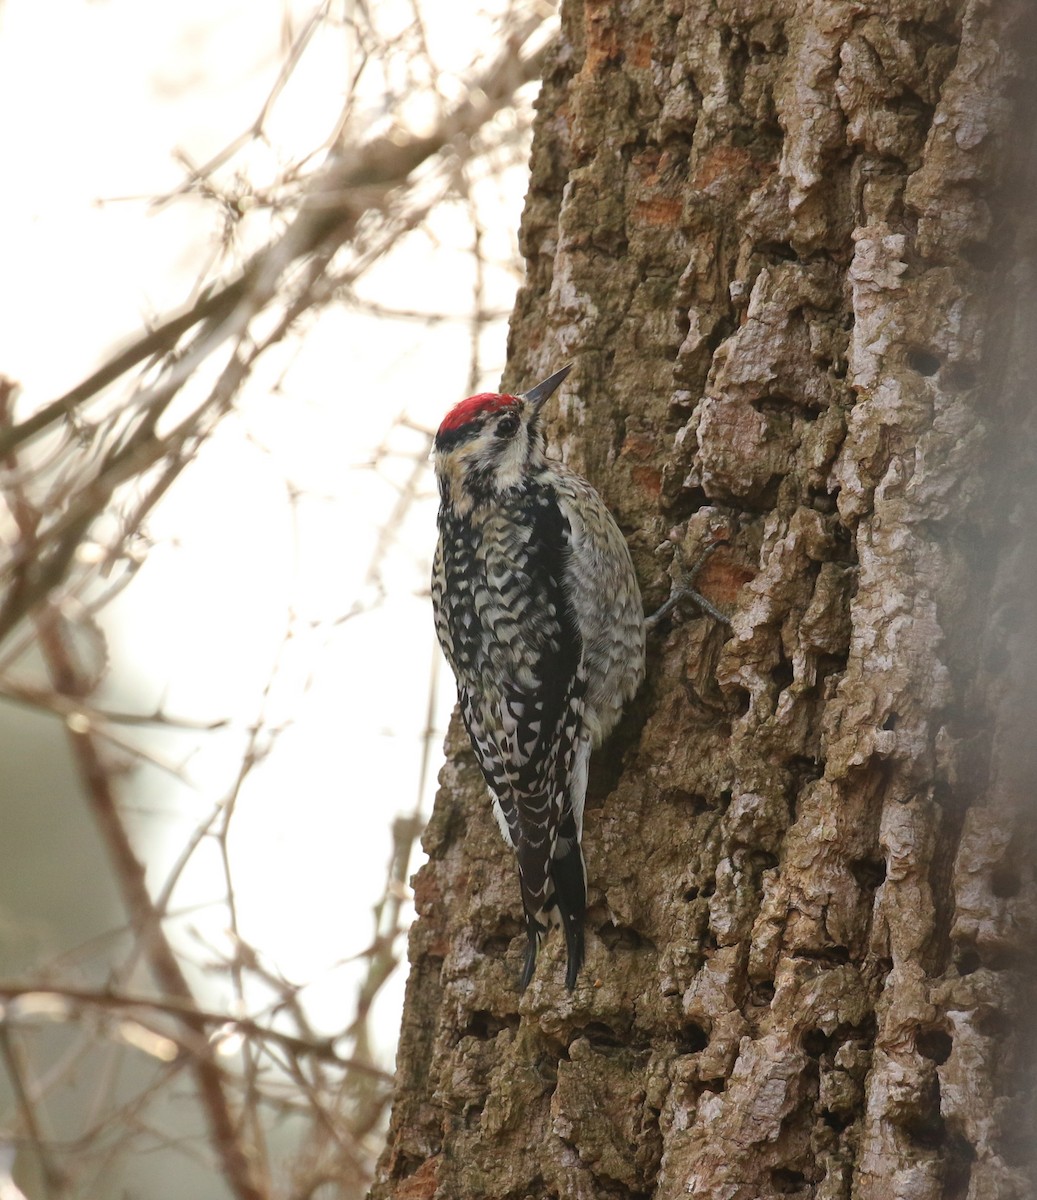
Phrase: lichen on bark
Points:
(790, 247)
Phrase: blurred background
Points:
(253, 252)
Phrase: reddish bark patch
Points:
(648, 479)
(721, 578)
(421, 1185)
(641, 52)
(658, 211)
(640, 448)
(721, 163)
(602, 38)
(426, 891)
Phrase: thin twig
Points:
(365, 175)
(50, 1176)
(129, 874)
(185, 1010)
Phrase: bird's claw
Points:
(683, 589)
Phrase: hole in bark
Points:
(693, 1038)
(621, 937)
(485, 1025)
(777, 45)
(708, 888)
(721, 332)
(967, 960)
(923, 1122)
(957, 1167)
(783, 674)
(934, 1044)
(786, 1181)
(685, 505)
(865, 1032)
(869, 872)
(762, 993)
(407, 1165)
(820, 498)
(496, 946)
(696, 803)
(891, 721)
(924, 362)
(713, 1085)
(602, 1036)
(472, 1116)
(815, 1042)
(725, 797)
(779, 250)
(927, 1130)
(882, 968)
(769, 131)
(777, 405)
(681, 404)
(691, 894)
(836, 955)
(834, 1120)
(740, 700)
(959, 377)
(694, 498)
(1005, 882)
(765, 497)
(805, 769)
(830, 667)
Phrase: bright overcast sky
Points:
(107, 94)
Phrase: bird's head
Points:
(489, 443)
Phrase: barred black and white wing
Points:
(507, 627)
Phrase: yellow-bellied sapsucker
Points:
(539, 614)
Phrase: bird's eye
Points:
(507, 425)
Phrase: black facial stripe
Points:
(452, 438)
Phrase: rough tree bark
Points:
(790, 246)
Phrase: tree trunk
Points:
(790, 246)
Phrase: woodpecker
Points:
(539, 614)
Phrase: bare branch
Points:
(143, 1009)
(353, 182)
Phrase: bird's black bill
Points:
(536, 396)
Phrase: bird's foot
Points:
(683, 589)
